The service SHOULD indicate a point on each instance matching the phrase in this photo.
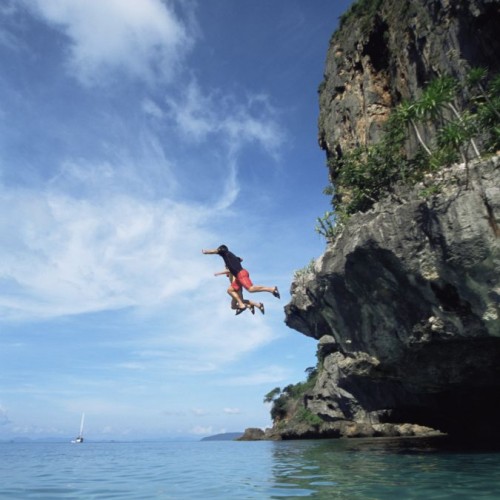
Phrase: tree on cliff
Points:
(288, 404)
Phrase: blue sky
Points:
(134, 133)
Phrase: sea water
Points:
(329, 469)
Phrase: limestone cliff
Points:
(387, 50)
(405, 303)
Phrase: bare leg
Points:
(234, 294)
(234, 302)
(260, 288)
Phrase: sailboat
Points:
(79, 439)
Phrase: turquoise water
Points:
(332, 469)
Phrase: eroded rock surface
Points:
(405, 305)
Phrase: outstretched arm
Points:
(226, 272)
(209, 251)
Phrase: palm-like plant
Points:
(327, 226)
(407, 113)
(451, 137)
(437, 96)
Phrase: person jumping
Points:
(242, 277)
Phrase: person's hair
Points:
(222, 249)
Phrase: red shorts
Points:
(242, 279)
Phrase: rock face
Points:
(406, 307)
(252, 434)
(387, 51)
(405, 303)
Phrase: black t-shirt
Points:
(233, 263)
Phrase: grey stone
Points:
(409, 296)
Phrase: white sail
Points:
(81, 425)
(79, 439)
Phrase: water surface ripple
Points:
(331, 469)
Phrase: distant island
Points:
(226, 436)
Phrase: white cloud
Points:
(194, 113)
(215, 342)
(133, 366)
(228, 122)
(151, 108)
(208, 340)
(199, 116)
(106, 248)
(65, 255)
(232, 411)
(143, 38)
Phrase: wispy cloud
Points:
(68, 255)
(232, 411)
(208, 341)
(143, 39)
(251, 119)
(229, 123)
(116, 229)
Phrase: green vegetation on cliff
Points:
(287, 405)
(445, 133)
